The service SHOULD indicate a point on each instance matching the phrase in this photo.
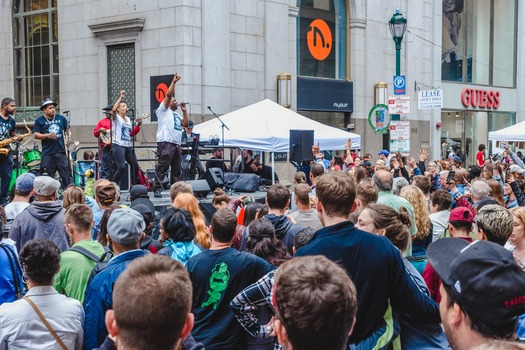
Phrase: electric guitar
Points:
(105, 136)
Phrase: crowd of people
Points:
(393, 254)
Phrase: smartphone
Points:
(495, 157)
(450, 177)
(248, 200)
(507, 174)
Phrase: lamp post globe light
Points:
(398, 26)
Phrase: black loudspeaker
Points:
(301, 142)
(241, 182)
(214, 177)
(200, 187)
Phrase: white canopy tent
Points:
(511, 133)
(265, 126)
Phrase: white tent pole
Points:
(273, 167)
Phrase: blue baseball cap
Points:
(24, 183)
(384, 152)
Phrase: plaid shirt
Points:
(249, 300)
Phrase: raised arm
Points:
(171, 90)
(121, 96)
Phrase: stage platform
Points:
(204, 202)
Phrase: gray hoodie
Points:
(40, 220)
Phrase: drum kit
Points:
(28, 161)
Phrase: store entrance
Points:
(461, 133)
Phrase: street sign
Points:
(400, 137)
(399, 85)
(430, 99)
(379, 118)
(399, 104)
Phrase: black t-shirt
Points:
(7, 127)
(266, 173)
(57, 126)
(217, 277)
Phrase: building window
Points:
(121, 72)
(322, 33)
(35, 43)
(479, 42)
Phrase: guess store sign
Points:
(488, 99)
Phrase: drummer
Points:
(50, 128)
(7, 130)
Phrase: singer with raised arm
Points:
(104, 133)
(121, 144)
(169, 135)
(51, 129)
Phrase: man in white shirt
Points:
(169, 135)
(23, 189)
(440, 202)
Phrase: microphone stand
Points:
(222, 127)
(134, 171)
(66, 146)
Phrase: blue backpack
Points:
(11, 283)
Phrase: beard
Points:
(451, 337)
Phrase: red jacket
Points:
(433, 280)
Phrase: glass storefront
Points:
(479, 42)
(321, 38)
(462, 131)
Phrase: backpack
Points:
(100, 262)
(144, 180)
(12, 287)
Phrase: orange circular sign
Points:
(160, 92)
(319, 39)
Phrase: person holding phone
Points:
(447, 180)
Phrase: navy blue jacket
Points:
(99, 299)
(376, 268)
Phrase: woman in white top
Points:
(21, 327)
(121, 146)
(517, 237)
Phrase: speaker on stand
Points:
(301, 142)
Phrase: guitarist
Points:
(7, 130)
(103, 132)
(50, 128)
(121, 145)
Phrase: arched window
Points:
(322, 38)
(35, 42)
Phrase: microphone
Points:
(209, 108)
(184, 103)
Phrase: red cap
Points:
(461, 214)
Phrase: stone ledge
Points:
(129, 26)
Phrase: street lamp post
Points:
(398, 26)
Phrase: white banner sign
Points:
(400, 137)
(430, 99)
(399, 104)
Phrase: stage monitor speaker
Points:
(241, 182)
(301, 142)
(200, 187)
(214, 177)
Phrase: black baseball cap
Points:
(484, 277)
(107, 109)
(138, 191)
